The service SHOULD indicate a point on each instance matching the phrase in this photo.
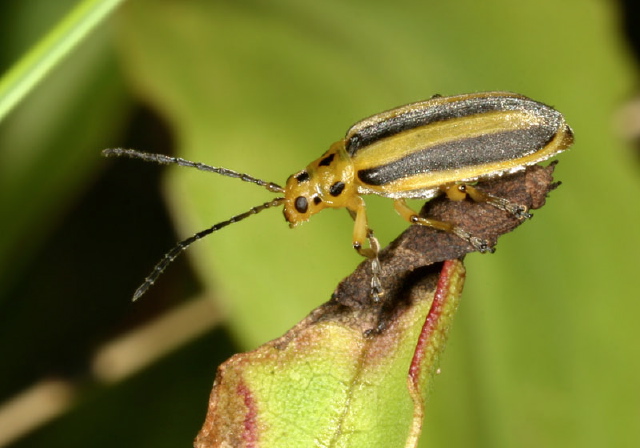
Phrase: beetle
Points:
(416, 151)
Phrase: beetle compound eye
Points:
(301, 204)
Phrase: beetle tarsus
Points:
(380, 326)
(518, 210)
(479, 244)
(521, 212)
(377, 291)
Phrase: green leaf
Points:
(325, 383)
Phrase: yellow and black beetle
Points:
(414, 151)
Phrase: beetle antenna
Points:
(167, 160)
(182, 245)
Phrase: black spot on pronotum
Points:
(317, 200)
(301, 204)
(327, 160)
(336, 188)
(302, 176)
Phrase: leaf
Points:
(325, 383)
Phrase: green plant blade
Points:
(51, 50)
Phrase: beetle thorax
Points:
(325, 182)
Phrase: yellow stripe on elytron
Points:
(405, 143)
(562, 140)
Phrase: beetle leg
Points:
(376, 269)
(460, 191)
(411, 216)
(361, 231)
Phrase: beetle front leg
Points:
(411, 216)
(361, 231)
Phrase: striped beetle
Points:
(415, 151)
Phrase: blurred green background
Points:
(544, 350)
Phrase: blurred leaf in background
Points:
(544, 349)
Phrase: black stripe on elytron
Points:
(463, 153)
(421, 116)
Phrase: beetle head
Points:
(326, 182)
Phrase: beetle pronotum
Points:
(415, 151)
